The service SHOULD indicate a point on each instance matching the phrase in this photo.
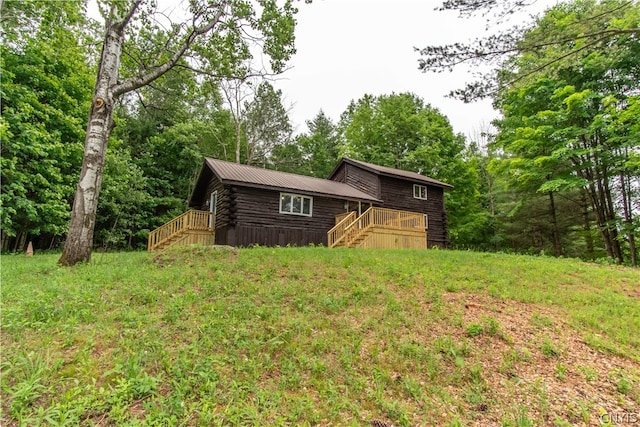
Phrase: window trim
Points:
(426, 221)
(302, 199)
(419, 186)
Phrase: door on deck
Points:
(213, 204)
(355, 207)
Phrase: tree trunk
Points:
(612, 225)
(77, 247)
(586, 226)
(557, 246)
(625, 186)
(238, 140)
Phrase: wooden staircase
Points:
(189, 228)
(379, 228)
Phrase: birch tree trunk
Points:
(206, 17)
(77, 247)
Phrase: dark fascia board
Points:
(427, 180)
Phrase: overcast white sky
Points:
(347, 48)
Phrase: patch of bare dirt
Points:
(539, 366)
(186, 254)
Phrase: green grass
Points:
(306, 336)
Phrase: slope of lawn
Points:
(316, 336)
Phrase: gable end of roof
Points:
(391, 172)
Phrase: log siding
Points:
(251, 216)
(247, 215)
(398, 194)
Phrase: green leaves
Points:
(565, 34)
(46, 88)
(401, 131)
(266, 125)
(570, 128)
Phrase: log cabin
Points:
(359, 205)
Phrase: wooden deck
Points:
(189, 228)
(376, 228)
(379, 228)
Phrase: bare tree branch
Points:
(120, 25)
(152, 74)
(498, 48)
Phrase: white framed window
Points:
(420, 191)
(295, 204)
(426, 221)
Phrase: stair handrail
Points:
(360, 226)
(387, 218)
(337, 233)
(190, 220)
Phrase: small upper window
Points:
(296, 204)
(419, 191)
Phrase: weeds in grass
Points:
(549, 348)
(622, 381)
(579, 411)
(541, 321)
(291, 336)
(28, 373)
(590, 374)
(559, 422)
(520, 418)
(561, 371)
(474, 329)
(488, 326)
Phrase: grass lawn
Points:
(317, 336)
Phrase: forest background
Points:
(558, 173)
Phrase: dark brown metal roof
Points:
(251, 176)
(397, 173)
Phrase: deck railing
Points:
(348, 233)
(342, 216)
(336, 235)
(190, 220)
(390, 218)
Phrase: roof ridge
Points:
(241, 174)
(399, 173)
(266, 169)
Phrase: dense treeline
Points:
(558, 174)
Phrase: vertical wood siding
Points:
(361, 179)
(398, 194)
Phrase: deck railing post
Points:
(190, 220)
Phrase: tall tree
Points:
(613, 21)
(567, 124)
(216, 37)
(403, 132)
(236, 91)
(314, 153)
(167, 128)
(320, 146)
(266, 124)
(46, 88)
(126, 208)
